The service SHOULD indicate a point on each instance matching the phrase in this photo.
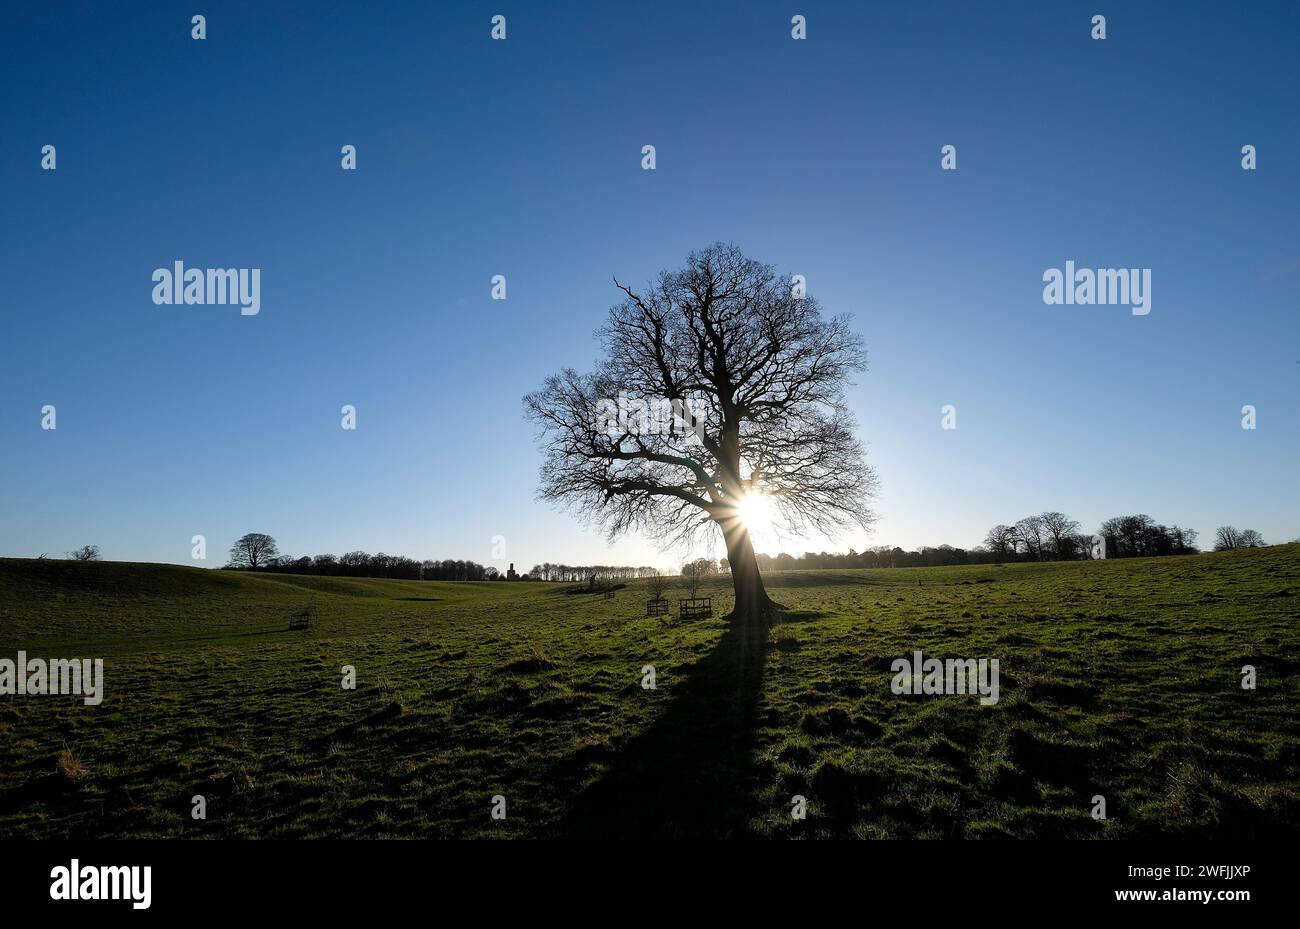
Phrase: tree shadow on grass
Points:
(691, 773)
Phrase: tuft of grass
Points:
(71, 766)
(784, 639)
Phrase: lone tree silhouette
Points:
(254, 550)
(755, 377)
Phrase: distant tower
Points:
(511, 575)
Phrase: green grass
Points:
(1119, 678)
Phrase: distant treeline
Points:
(1050, 536)
(1053, 536)
(602, 572)
(362, 564)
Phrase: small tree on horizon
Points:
(252, 551)
(1030, 533)
(85, 553)
(695, 571)
(657, 584)
(1001, 541)
(1228, 538)
(1062, 530)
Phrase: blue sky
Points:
(523, 157)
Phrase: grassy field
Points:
(1120, 678)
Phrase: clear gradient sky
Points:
(523, 157)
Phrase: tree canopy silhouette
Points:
(754, 376)
(254, 550)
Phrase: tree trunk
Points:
(752, 603)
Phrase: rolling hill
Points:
(1119, 678)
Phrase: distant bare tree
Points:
(695, 571)
(1029, 533)
(1227, 538)
(1183, 540)
(756, 377)
(658, 583)
(85, 553)
(1060, 529)
(1001, 541)
(254, 550)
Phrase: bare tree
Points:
(254, 550)
(1184, 540)
(756, 379)
(1001, 541)
(693, 572)
(1227, 538)
(658, 583)
(85, 553)
(1061, 529)
(1029, 533)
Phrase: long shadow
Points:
(691, 773)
